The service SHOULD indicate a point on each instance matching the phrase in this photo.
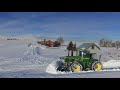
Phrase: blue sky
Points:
(82, 25)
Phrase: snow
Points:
(18, 37)
(27, 59)
(52, 68)
(112, 64)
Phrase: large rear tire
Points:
(97, 66)
(76, 67)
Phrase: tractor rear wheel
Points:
(76, 67)
(97, 66)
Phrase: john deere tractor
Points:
(82, 62)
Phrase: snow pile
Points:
(52, 68)
(33, 49)
(34, 59)
(42, 46)
(112, 64)
(33, 55)
(115, 54)
(110, 54)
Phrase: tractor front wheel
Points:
(76, 67)
(97, 66)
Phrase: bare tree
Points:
(69, 48)
(44, 41)
(111, 43)
(60, 39)
(74, 48)
(117, 45)
(101, 43)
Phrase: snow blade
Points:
(61, 67)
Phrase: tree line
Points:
(109, 43)
(60, 39)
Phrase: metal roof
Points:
(87, 45)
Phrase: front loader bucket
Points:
(61, 66)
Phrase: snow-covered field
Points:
(17, 60)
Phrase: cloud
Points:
(54, 24)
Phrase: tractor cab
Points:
(85, 54)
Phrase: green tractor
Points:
(82, 62)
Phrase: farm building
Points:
(93, 48)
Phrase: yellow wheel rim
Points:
(77, 68)
(98, 67)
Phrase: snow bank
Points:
(110, 54)
(112, 64)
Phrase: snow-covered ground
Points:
(20, 59)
